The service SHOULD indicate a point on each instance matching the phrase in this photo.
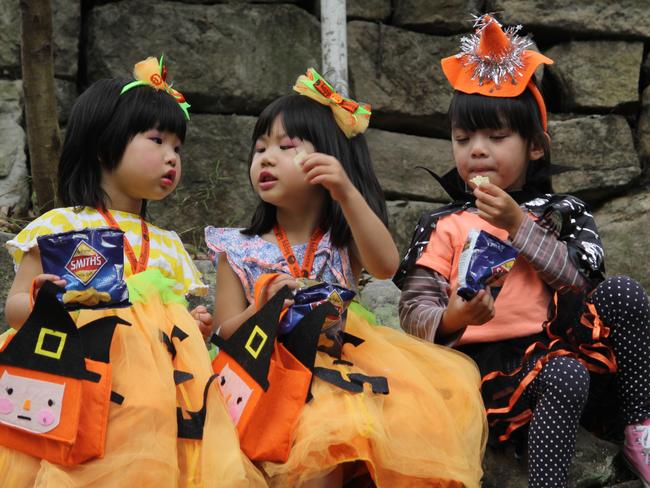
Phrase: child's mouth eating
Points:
(266, 180)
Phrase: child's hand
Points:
(322, 169)
(203, 320)
(42, 278)
(461, 313)
(498, 208)
(275, 286)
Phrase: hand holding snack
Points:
(90, 262)
(322, 169)
(275, 286)
(299, 158)
(498, 208)
(460, 312)
(479, 180)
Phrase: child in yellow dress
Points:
(122, 148)
(322, 216)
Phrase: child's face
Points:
(276, 175)
(149, 169)
(500, 154)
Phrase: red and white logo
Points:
(85, 262)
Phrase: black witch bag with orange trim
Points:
(55, 384)
(266, 384)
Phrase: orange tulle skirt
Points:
(142, 446)
(430, 430)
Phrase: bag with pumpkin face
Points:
(55, 384)
(265, 384)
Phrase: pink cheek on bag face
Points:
(6, 406)
(45, 416)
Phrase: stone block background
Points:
(231, 58)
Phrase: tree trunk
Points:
(43, 136)
(334, 44)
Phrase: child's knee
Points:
(619, 298)
(567, 378)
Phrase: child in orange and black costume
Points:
(536, 366)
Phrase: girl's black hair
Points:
(101, 124)
(313, 122)
(471, 112)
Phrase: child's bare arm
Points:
(17, 306)
(231, 309)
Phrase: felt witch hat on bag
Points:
(48, 371)
(264, 385)
(495, 63)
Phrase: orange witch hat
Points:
(495, 63)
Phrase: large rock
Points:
(620, 19)
(375, 10)
(215, 187)
(378, 10)
(227, 58)
(595, 153)
(381, 297)
(12, 145)
(396, 156)
(66, 94)
(643, 131)
(398, 72)
(624, 225)
(14, 183)
(580, 67)
(66, 28)
(435, 16)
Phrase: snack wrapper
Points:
(484, 261)
(91, 261)
(309, 295)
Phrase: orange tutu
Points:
(142, 445)
(430, 430)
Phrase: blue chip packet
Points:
(484, 261)
(311, 295)
(91, 261)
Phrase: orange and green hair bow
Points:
(351, 117)
(153, 73)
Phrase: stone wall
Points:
(230, 59)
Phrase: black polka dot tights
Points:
(559, 392)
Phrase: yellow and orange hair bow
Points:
(352, 117)
(153, 73)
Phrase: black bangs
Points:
(142, 108)
(306, 119)
(472, 112)
(138, 110)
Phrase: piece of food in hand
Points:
(299, 158)
(478, 180)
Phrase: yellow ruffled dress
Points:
(142, 445)
(429, 430)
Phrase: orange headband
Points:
(495, 63)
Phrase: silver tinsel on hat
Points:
(496, 67)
